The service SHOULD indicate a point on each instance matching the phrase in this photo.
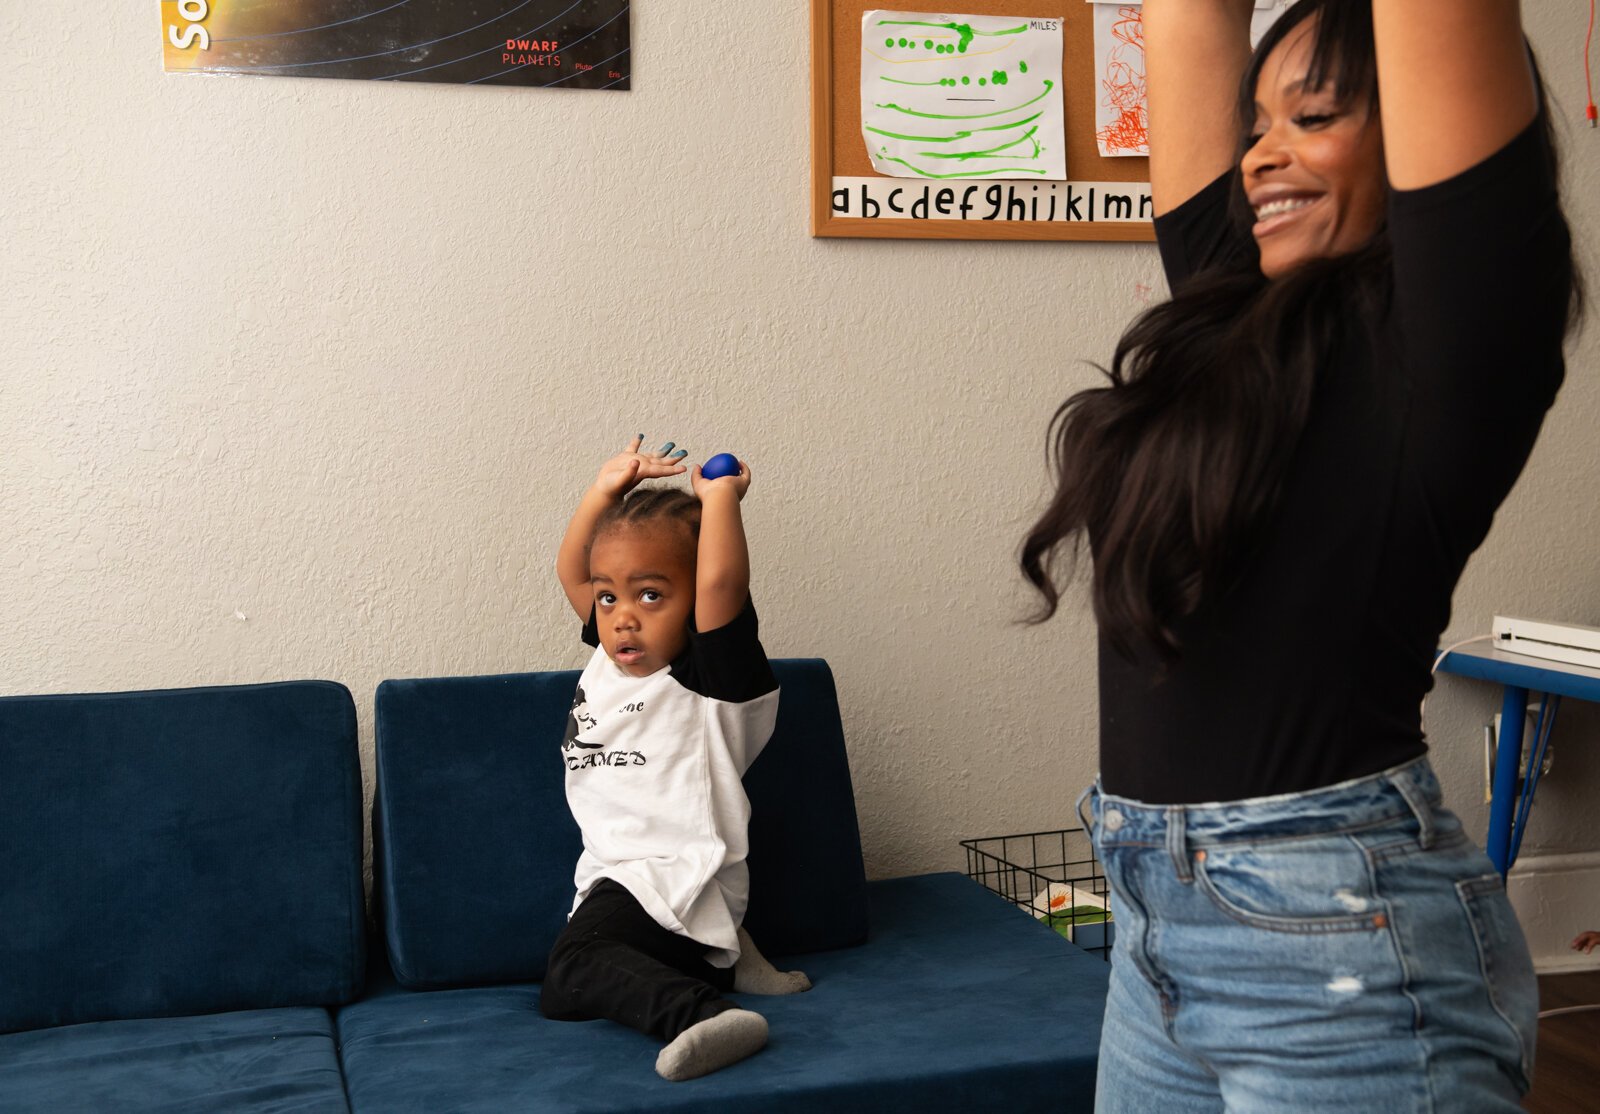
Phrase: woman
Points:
(1279, 489)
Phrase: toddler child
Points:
(675, 704)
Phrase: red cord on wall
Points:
(1588, 81)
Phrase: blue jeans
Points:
(1343, 949)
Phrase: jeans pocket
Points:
(1505, 964)
(1300, 886)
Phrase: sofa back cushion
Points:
(474, 847)
(178, 852)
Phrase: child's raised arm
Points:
(722, 566)
(617, 477)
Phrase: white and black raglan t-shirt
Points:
(654, 769)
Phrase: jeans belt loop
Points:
(1086, 821)
(1178, 844)
(1420, 808)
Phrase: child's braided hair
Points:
(647, 506)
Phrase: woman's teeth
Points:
(1278, 208)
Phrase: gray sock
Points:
(752, 974)
(711, 1044)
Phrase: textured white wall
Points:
(339, 357)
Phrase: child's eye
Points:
(650, 595)
(605, 599)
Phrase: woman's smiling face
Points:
(1313, 168)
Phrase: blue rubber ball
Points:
(723, 464)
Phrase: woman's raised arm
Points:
(1196, 52)
(1454, 81)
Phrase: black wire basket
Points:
(1053, 877)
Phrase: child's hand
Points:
(1586, 942)
(623, 472)
(739, 483)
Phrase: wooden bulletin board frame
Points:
(837, 147)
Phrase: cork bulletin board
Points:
(1102, 199)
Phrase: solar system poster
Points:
(557, 44)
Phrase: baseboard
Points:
(1556, 897)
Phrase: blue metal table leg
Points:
(1507, 758)
(1538, 746)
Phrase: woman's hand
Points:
(1586, 942)
(740, 483)
(625, 471)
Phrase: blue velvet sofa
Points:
(190, 903)
(180, 899)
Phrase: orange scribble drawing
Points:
(1123, 88)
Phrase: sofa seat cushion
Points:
(251, 1062)
(957, 1002)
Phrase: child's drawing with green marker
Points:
(962, 96)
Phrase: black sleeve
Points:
(1201, 234)
(1483, 276)
(728, 663)
(591, 630)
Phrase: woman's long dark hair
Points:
(1170, 468)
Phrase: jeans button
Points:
(1113, 820)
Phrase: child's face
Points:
(643, 594)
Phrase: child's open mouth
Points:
(628, 655)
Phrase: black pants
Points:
(614, 961)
